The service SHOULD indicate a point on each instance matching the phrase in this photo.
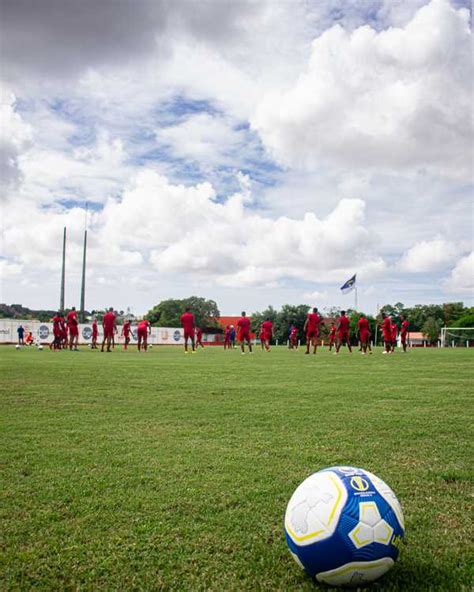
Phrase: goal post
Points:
(457, 337)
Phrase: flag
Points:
(349, 285)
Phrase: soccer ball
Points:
(40, 347)
(344, 526)
(17, 346)
(150, 346)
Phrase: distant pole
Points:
(355, 298)
(63, 273)
(83, 283)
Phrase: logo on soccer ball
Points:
(177, 335)
(87, 332)
(43, 332)
(359, 484)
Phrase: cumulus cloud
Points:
(187, 231)
(462, 276)
(427, 256)
(15, 137)
(396, 99)
(204, 137)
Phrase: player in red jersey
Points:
(64, 337)
(73, 328)
(227, 337)
(311, 328)
(126, 332)
(199, 337)
(95, 333)
(332, 335)
(243, 326)
(57, 331)
(293, 338)
(387, 333)
(404, 333)
(364, 333)
(187, 322)
(261, 337)
(143, 330)
(108, 325)
(343, 336)
(267, 328)
(394, 331)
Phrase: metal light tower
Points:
(83, 283)
(63, 274)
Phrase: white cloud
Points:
(462, 276)
(172, 230)
(203, 137)
(316, 296)
(187, 231)
(397, 99)
(15, 136)
(427, 256)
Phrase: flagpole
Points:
(355, 298)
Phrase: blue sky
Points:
(256, 156)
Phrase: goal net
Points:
(457, 337)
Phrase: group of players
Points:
(66, 333)
(339, 333)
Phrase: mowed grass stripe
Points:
(166, 471)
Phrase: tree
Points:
(168, 312)
(464, 321)
(431, 329)
(290, 315)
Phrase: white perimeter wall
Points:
(43, 333)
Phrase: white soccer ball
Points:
(17, 346)
(89, 345)
(150, 346)
(40, 347)
(344, 526)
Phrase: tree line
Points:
(425, 318)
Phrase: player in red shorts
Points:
(187, 322)
(343, 337)
(387, 333)
(73, 328)
(293, 338)
(394, 330)
(64, 338)
(404, 333)
(364, 333)
(143, 330)
(332, 335)
(95, 333)
(57, 332)
(126, 332)
(311, 328)
(243, 327)
(267, 328)
(108, 324)
(261, 337)
(199, 337)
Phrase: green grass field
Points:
(163, 471)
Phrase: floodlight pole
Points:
(83, 283)
(63, 273)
